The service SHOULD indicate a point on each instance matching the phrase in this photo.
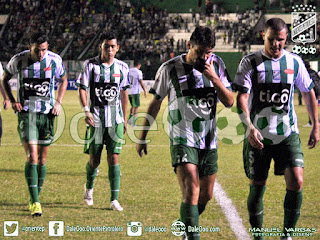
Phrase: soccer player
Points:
(265, 82)
(136, 79)
(103, 96)
(36, 107)
(193, 82)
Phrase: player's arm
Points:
(84, 104)
(311, 104)
(153, 111)
(124, 103)
(6, 100)
(16, 106)
(143, 87)
(254, 136)
(63, 84)
(224, 94)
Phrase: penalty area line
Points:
(230, 212)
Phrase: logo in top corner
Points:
(304, 24)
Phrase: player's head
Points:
(137, 63)
(274, 36)
(201, 44)
(108, 45)
(38, 46)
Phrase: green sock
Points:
(255, 206)
(42, 172)
(201, 208)
(31, 175)
(130, 116)
(189, 214)
(91, 175)
(292, 205)
(114, 179)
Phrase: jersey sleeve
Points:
(223, 74)
(84, 77)
(60, 69)
(160, 87)
(303, 79)
(126, 79)
(140, 75)
(242, 81)
(12, 66)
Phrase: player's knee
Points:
(205, 197)
(296, 184)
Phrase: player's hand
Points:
(56, 109)
(313, 138)
(6, 104)
(209, 71)
(89, 118)
(141, 148)
(255, 138)
(16, 106)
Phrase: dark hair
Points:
(203, 36)
(108, 36)
(136, 62)
(276, 24)
(38, 38)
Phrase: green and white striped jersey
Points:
(36, 80)
(135, 76)
(192, 101)
(103, 85)
(270, 83)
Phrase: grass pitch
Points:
(149, 189)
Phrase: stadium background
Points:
(153, 31)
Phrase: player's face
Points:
(198, 51)
(274, 42)
(109, 48)
(38, 51)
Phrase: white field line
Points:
(230, 212)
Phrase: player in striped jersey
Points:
(36, 106)
(136, 79)
(103, 96)
(193, 83)
(265, 80)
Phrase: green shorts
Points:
(134, 100)
(112, 137)
(286, 154)
(36, 128)
(205, 159)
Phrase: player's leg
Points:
(256, 164)
(31, 175)
(93, 147)
(189, 182)
(114, 180)
(206, 191)
(42, 166)
(114, 147)
(289, 161)
(293, 198)
(207, 167)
